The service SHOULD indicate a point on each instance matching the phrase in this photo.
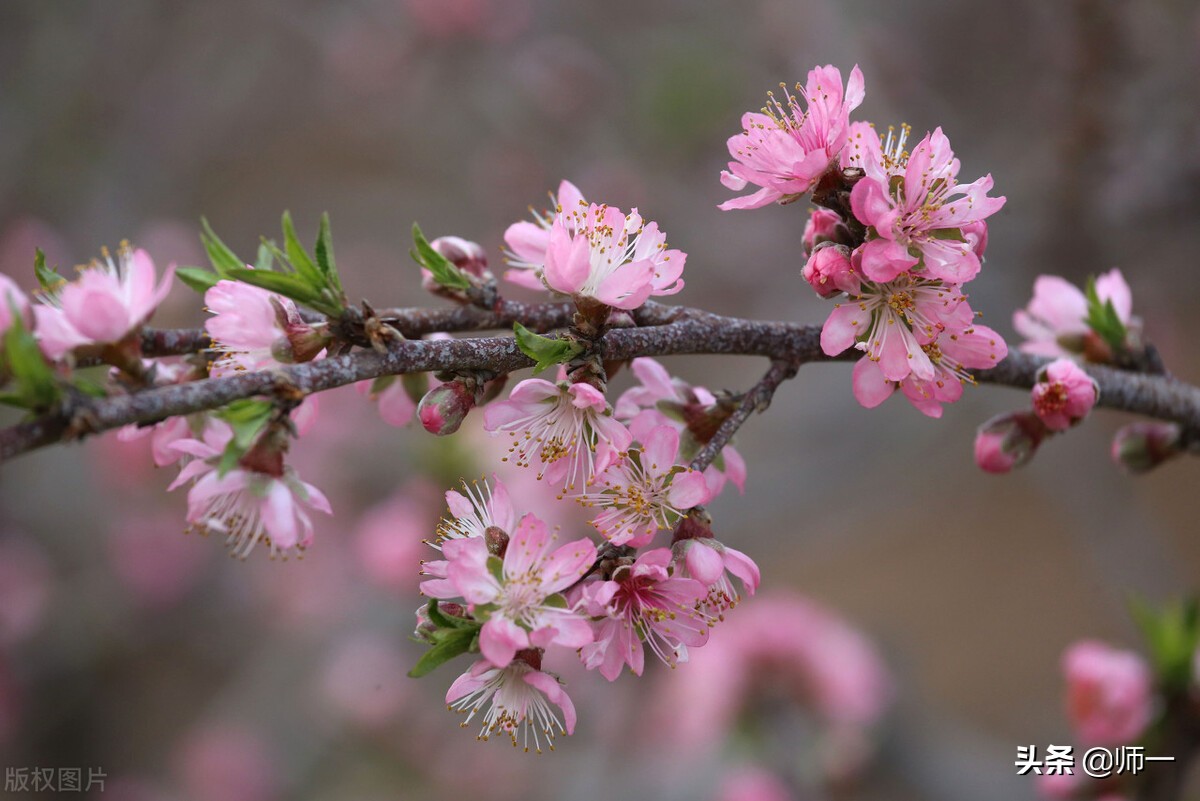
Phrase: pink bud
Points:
(300, 342)
(823, 226)
(463, 254)
(1008, 440)
(1141, 447)
(976, 235)
(444, 407)
(1108, 693)
(1064, 395)
(829, 271)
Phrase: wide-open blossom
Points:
(557, 427)
(108, 300)
(693, 413)
(1064, 394)
(645, 602)
(786, 148)
(644, 490)
(1053, 323)
(526, 242)
(1108, 693)
(254, 329)
(617, 259)
(711, 562)
(917, 220)
(519, 698)
(952, 354)
(891, 322)
(520, 603)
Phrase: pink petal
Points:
(279, 515)
(743, 567)
(688, 489)
(500, 639)
(703, 562)
(845, 324)
(883, 260)
(660, 450)
(870, 386)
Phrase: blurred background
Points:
(914, 609)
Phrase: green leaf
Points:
(451, 643)
(290, 286)
(324, 253)
(546, 352)
(298, 257)
(48, 278)
(197, 278)
(1172, 635)
(444, 272)
(1102, 318)
(223, 259)
(265, 260)
(36, 386)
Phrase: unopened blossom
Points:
(644, 601)
(1008, 440)
(109, 300)
(953, 354)
(254, 329)
(891, 322)
(617, 259)
(468, 256)
(1064, 394)
(829, 271)
(11, 297)
(1109, 693)
(526, 242)
(644, 490)
(1054, 321)
(1142, 446)
(916, 222)
(694, 412)
(823, 225)
(443, 409)
(557, 427)
(519, 604)
(246, 505)
(785, 149)
(519, 700)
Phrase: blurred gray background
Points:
(133, 119)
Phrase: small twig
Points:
(756, 400)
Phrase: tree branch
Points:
(663, 331)
(756, 400)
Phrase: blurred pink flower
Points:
(363, 680)
(1109, 690)
(480, 19)
(1007, 441)
(108, 300)
(519, 699)
(225, 762)
(12, 297)
(1064, 394)
(153, 560)
(25, 587)
(388, 541)
(752, 783)
(785, 150)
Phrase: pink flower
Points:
(753, 784)
(918, 221)
(225, 762)
(711, 563)
(1053, 323)
(695, 413)
(891, 322)
(645, 602)
(105, 303)
(952, 354)
(519, 698)
(10, 296)
(255, 329)
(557, 426)
(1108, 693)
(388, 541)
(786, 149)
(473, 513)
(1007, 441)
(616, 259)
(1064, 394)
(527, 241)
(823, 226)
(518, 604)
(829, 271)
(645, 490)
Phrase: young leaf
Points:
(223, 259)
(36, 386)
(444, 272)
(1102, 318)
(324, 253)
(197, 278)
(289, 285)
(48, 278)
(301, 262)
(546, 352)
(451, 643)
(265, 260)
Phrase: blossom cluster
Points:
(894, 239)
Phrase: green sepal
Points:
(555, 601)
(48, 279)
(448, 643)
(1172, 635)
(37, 388)
(954, 234)
(197, 278)
(544, 351)
(444, 621)
(1102, 318)
(223, 259)
(495, 566)
(442, 269)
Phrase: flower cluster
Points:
(894, 240)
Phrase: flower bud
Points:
(1008, 440)
(829, 271)
(1109, 693)
(1064, 394)
(426, 627)
(1141, 447)
(823, 225)
(444, 407)
(301, 342)
(465, 255)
